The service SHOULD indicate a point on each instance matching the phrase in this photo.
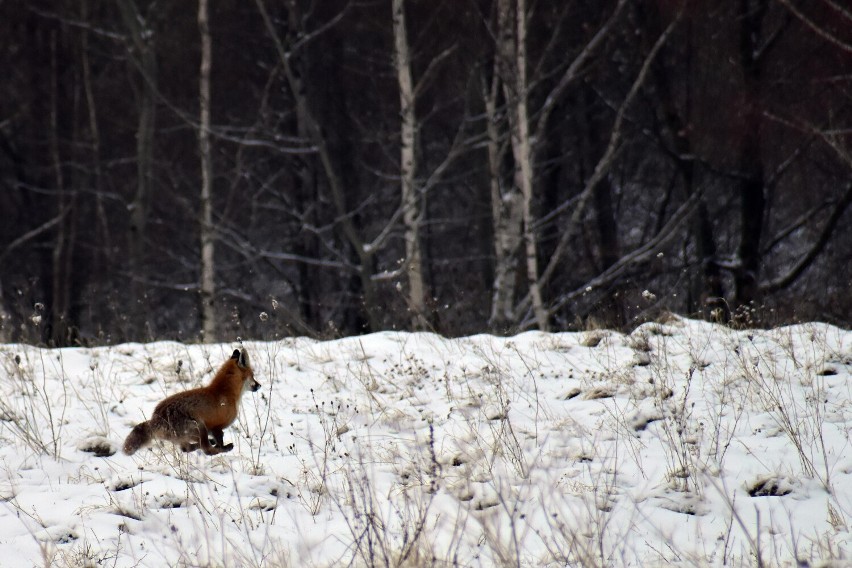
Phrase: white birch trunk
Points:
(207, 284)
(512, 67)
(408, 169)
(522, 149)
(506, 217)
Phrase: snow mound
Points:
(681, 443)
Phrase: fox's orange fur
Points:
(188, 418)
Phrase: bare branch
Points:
(423, 81)
(306, 38)
(318, 139)
(821, 32)
(845, 12)
(30, 235)
(797, 224)
(76, 23)
(248, 250)
(640, 255)
(573, 72)
(800, 267)
(606, 160)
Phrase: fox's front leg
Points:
(199, 439)
(219, 436)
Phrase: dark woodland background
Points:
(692, 156)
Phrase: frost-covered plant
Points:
(29, 408)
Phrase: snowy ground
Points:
(682, 443)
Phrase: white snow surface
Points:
(683, 443)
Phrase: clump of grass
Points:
(29, 409)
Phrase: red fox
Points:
(188, 418)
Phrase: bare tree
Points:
(506, 215)
(317, 139)
(412, 213)
(752, 199)
(208, 233)
(526, 137)
(140, 49)
(618, 156)
(103, 254)
(578, 204)
(512, 68)
(833, 137)
(59, 324)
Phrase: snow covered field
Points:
(682, 443)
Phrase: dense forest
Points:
(217, 169)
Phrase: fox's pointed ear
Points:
(236, 355)
(242, 360)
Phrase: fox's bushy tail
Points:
(139, 437)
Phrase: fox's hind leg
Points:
(193, 436)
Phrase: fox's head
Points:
(249, 383)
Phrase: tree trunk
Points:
(522, 148)
(506, 218)
(514, 68)
(676, 131)
(610, 311)
(60, 330)
(752, 199)
(207, 284)
(408, 169)
(142, 50)
(102, 254)
(316, 136)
